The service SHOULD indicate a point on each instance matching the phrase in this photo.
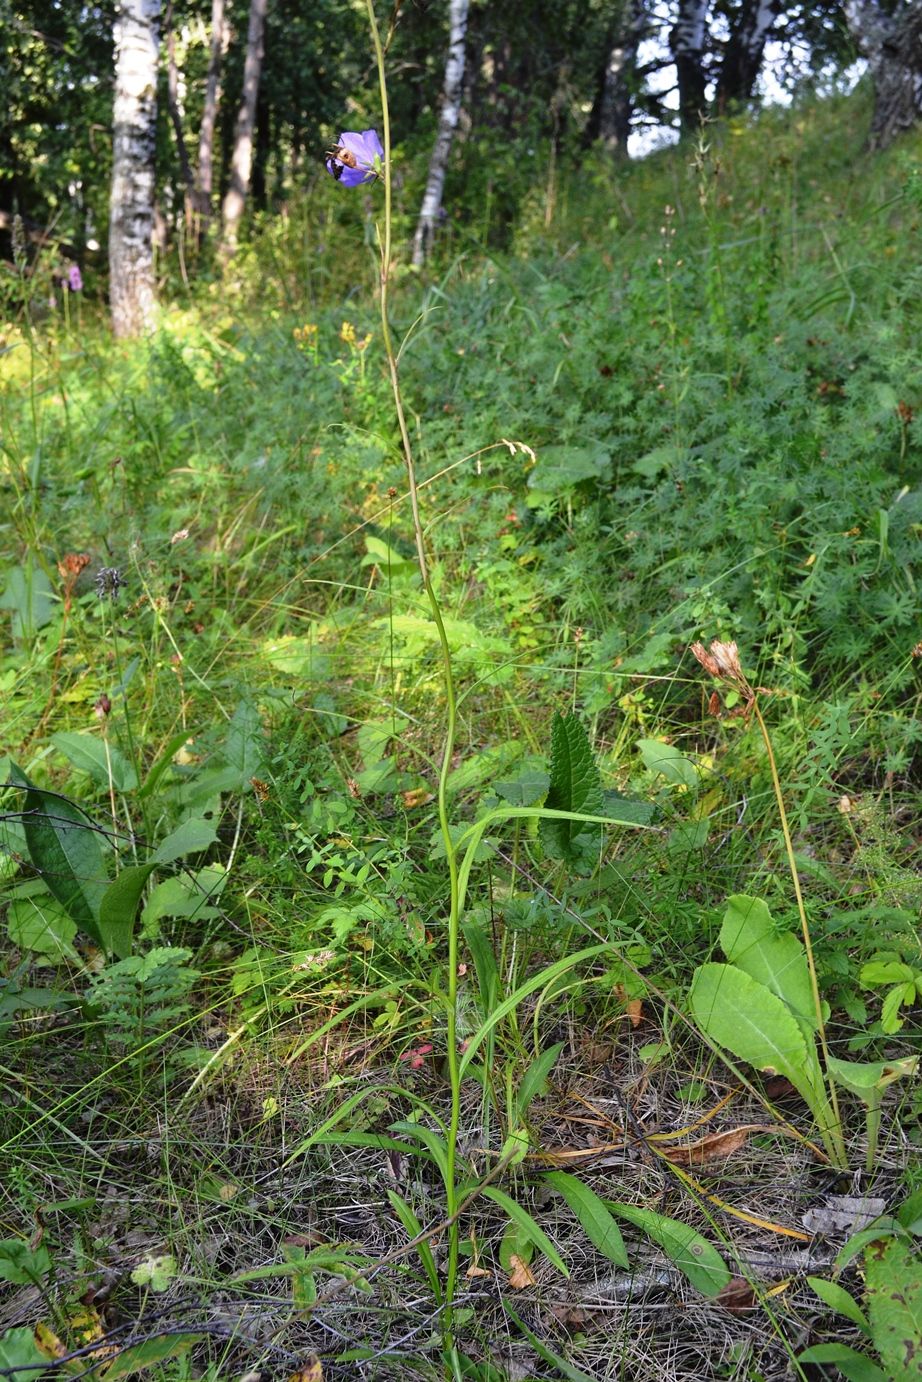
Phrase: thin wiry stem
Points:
(454, 918)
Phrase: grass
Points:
(682, 410)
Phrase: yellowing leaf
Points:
(520, 1274)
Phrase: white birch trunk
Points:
(616, 105)
(687, 44)
(242, 157)
(204, 176)
(448, 122)
(131, 205)
(892, 44)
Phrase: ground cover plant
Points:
(419, 961)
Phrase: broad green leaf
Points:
(893, 1282)
(669, 762)
(744, 1018)
(878, 972)
(904, 995)
(575, 785)
(525, 789)
(40, 924)
(119, 907)
(193, 836)
(22, 1265)
(64, 848)
(523, 1220)
(698, 1259)
(868, 1079)
(391, 563)
(28, 596)
(559, 468)
(851, 1364)
(750, 940)
(20, 1356)
(243, 750)
(628, 810)
(156, 1271)
(840, 1300)
(140, 1357)
(480, 767)
(88, 753)
(596, 1220)
(488, 981)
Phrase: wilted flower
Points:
(356, 159)
(74, 279)
(109, 582)
(721, 660)
(103, 707)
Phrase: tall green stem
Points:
(454, 1074)
(835, 1142)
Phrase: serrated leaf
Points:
(893, 1282)
(528, 1225)
(88, 754)
(575, 786)
(694, 1256)
(64, 848)
(595, 1219)
(751, 941)
(840, 1300)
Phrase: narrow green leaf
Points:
(119, 907)
(432, 1141)
(414, 1228)
(851, 1364)
(840, 1300)
(533, 1081)
(523, 1220)
(478, 943)
(571, 1373)
(698, 1259)
(142, 1356)
(64, 848)
(599, 1226)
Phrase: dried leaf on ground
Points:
(520, 1274)
(312, 1371)
(738, 1297)
(717, 1146)
(843, 1214)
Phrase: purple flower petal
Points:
(354, 159)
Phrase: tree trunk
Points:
(131, 206)
(745, 49)
(242, 157)
(892, 45)
(616, 105)
(204, 179)
(448, 121)
(687, 44)
(172, 98)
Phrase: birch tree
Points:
(687, 41)
(892, 44)
(745, 49)
(242, 156)
(204, 172)
(448, 122)
(617, 103)
(131, 206)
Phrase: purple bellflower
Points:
(356, 159)
(74, 278)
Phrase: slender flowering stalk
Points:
(723, 662)
(359, 158)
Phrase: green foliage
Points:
(140, 997)
(574, 786)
